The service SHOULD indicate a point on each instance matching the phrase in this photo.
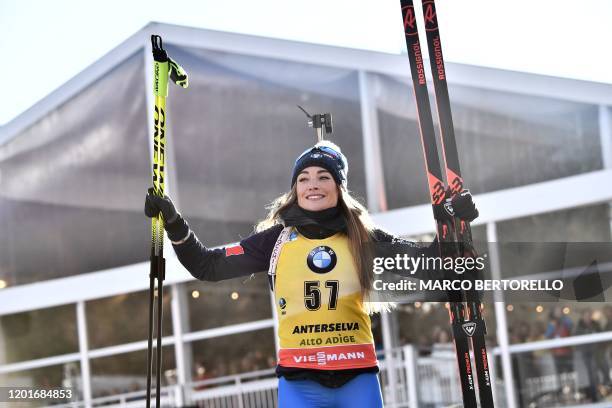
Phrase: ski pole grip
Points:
(165, 67)
(160, 67)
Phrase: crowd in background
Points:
(584, 368)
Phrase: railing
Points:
(420, 381)
(135, 399)
(436, 385)
(430, 381)
(250, 390)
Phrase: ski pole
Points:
(455, 182)
(163, 67)
(437, 191)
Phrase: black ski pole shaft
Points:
(437, 192)
(152, 274)
(456, 184)
(160, 296)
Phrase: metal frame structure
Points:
(494, 206)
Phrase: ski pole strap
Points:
(159, 54)
(282, 238)
(178, 74)
(165, 67)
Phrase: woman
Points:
(311, 244)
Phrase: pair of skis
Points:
(467, 324)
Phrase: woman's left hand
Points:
(460, 205)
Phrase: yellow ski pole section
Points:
(163, 69)
(159, 166)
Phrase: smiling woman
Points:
(314, 245)
(318, 174)
(316, 189)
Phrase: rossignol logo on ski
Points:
(429, 13)
(469, 328)
(410, 27)
(439, 60)
(420, 69)
(448, 206)
(431, 25)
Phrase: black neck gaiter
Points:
(314, 224)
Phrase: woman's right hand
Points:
(155, 204)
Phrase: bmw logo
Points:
(293, 236)
(322, 259)
(282, 303)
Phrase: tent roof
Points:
(371, 61)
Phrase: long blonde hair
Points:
(360, 230)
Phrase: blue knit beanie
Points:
(324, 154)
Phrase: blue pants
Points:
(362, 391)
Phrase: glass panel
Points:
(504, 139)
(581, 225)
(126, 373)
(234, 354)
(529, 322)
(21, 339)
(564, 376)
(532, 321)
(215, 304)
(57, 214)
(124, 318)
(67, 376)
(230, 163)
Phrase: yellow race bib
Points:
(322, 321)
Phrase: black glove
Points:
(464, 206)
(460, 206)
(155, 204)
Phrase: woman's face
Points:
(316, 189)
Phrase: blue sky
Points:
(48, 42)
